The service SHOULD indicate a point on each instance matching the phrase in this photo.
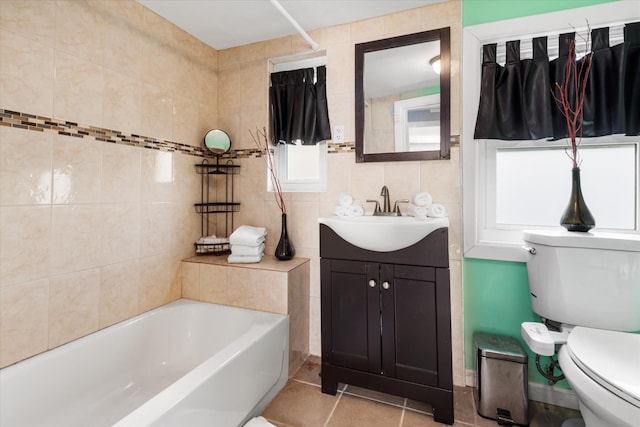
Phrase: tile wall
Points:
(103, 105)
(92, 231)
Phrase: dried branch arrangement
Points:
(261, 141)
(570, 97)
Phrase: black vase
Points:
(285, 249)
(577, 216)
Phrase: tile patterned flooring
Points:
(301, 404)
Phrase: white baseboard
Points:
(539, 392)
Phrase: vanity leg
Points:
(329, 381)
(443, 414)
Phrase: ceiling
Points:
(224, 24)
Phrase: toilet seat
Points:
(592, 350)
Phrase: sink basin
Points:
(383, 233)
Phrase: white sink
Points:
(383, 233)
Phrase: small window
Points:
(300, 168)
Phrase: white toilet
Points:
(589, 284)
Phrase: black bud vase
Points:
(577, 216)
(285, 249)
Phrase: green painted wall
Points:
(496, 293)
(496, 301)
(482, 11)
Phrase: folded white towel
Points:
(243, 259)
(436, 210)
(417, 211)
(345, 199)
(422, 199)
(258, 422)
(247, 250)
(248, 235)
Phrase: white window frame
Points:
(478, 240)
(280, 152)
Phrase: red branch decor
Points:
(570, 97)
(261, 141)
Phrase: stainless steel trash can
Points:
(501, 390)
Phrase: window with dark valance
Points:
(298, 106)
(516, 101)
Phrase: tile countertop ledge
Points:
(268, 262)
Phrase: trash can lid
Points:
(499, 347)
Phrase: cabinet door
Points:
(410, 324)
(350, 314)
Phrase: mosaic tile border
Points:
(44, 124)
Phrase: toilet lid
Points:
(592, 350)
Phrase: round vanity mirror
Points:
(217, 141)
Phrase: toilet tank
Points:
(585, 279)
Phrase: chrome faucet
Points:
(385, 199)
(386, 204)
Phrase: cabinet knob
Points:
(372, 283)
(385, 285)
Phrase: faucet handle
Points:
(377, 208)
(396, 208)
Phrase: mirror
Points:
(217, 141)
(402, 103)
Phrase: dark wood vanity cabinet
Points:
(386, 319)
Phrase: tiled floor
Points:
(302, 404)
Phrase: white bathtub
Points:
(184, 364)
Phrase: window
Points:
(300, 168)
(511, 186)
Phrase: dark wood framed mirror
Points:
(402, 104)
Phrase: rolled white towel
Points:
(248, 235)
(345, 199)
(417, 211)
(436, 210)
(243, 259)
(356, 209)
(341, 210)
(258, 422)
(422, 199)
(247, 250)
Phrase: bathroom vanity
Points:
(386, 319)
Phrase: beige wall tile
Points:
(25, 243)
(156, 223)
(190, 276)
(119, 232)
(80, 28)
(73, 306)
(156, 176)
(123, 38)
(76, 238)
(214, 285)
(156, 111)
(271, 291)
(30, 19)
(24, 328)
(241, 289)
(25, 167)
(27, 74)
(121, 102)
(77, 170)
(121, 170)
(156, 275)
(79, 90)
(118, 292)
(158, 60)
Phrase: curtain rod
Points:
(293, 22)
(616, 36)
